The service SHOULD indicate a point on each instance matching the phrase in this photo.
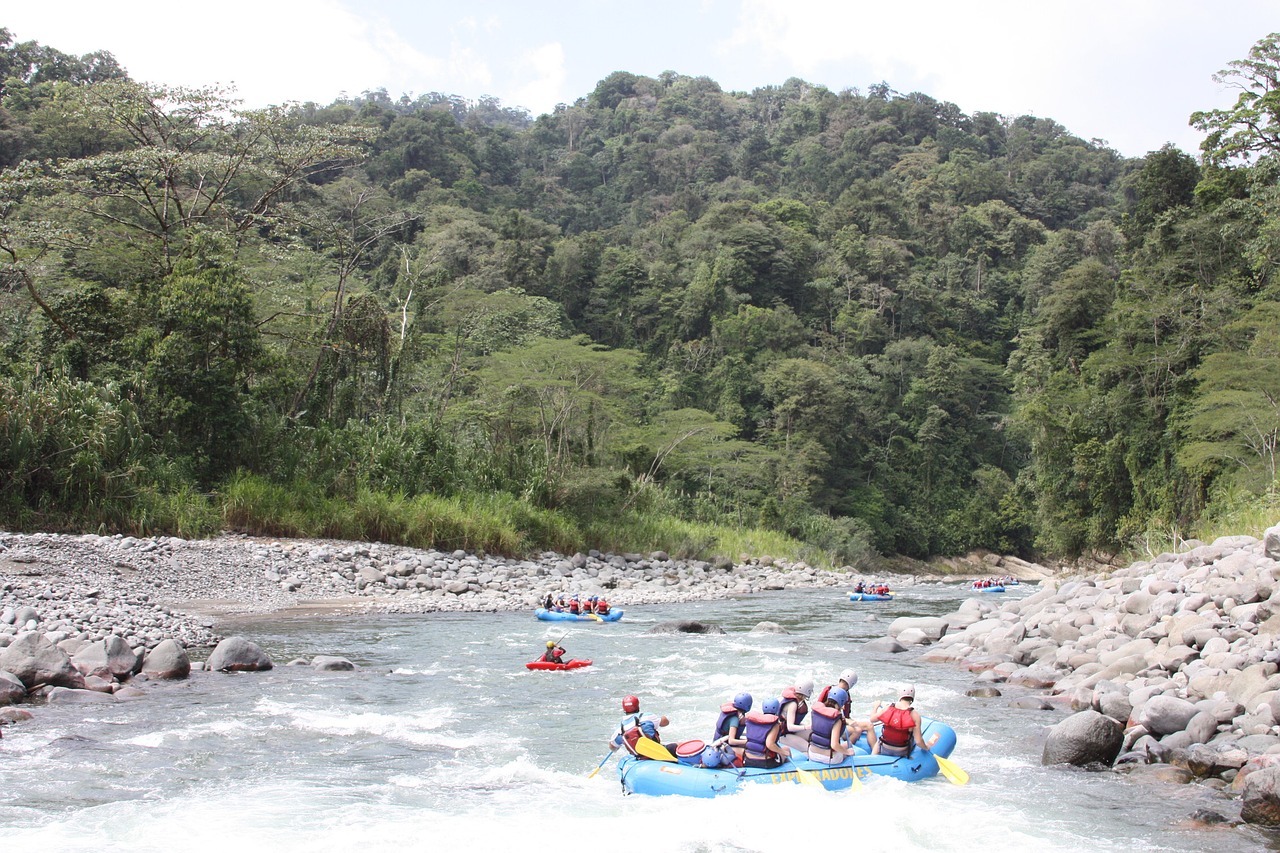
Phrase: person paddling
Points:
(637, 725)
(554, 653)
(900, 725)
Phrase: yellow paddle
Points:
(652, 749)
(954, 773)
(601, 764)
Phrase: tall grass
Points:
(1230, 512)
(698, 540)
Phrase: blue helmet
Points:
(771, 706)
(743, 702)
(838, 695)
(711, 757)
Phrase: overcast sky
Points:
(1129, 72)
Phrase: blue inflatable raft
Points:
(559, 616)
(659, 778)
(867, 596)
(986, 589)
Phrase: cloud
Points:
(544, 68)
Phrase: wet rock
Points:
(236, 654)
(11, 688)
(685, 626)
(71, 696)
(983, 692)
(1082, 739)
(167, 660)
(329, 663)
(769, 628)
(36, 661)
(1260, 802)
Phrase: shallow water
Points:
(445, 741)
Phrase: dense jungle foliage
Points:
(860, 322)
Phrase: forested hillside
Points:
(863, 320)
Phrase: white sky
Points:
(1129, 72)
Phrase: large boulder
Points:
(331, 663)
(167, 660)
(685, 626)
(69, 696)
(1164, 715)
(36, 661)
(1082, 739)
(236, 654)
(1260, 803)
(933, 628)
(91, 661)
(122, 659)
(11, 688)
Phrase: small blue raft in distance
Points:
(557, 616)
(866, 596)
(660, 778)
(986, 589)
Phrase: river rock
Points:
(685, 626)
(11, 688)
(236, 654)
(167, 660)
(1260, 802)
(35, 661)
(329, 663)
(1084, 738)
(769, 628)
(71, 696)
(121, 658)
(1164, 715)
(91, 661)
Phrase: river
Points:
(444, 741)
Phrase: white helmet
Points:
(804, 686)
(849, 677)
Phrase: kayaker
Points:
(763, 728)
(553, 654)
(826, 735)
(731, 723)
(637, 725)
(795, 706)
(900, 725)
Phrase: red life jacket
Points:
(898, 724)
(633, 733)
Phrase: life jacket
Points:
(635, 727)
(789, 697)
(824, 721)
(898, 724)
(730, 717)
(847, 710)
(553, 656)
(758, 726)
(602, 607)
(573, 606)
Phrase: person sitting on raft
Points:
(826, 734)
(549, 603)
(637, 725)
(553, 654)
(731, 725)
(853, 728)
(900, 725)
(602, 607)
(795, 707)
(860, 587)
(763, 728)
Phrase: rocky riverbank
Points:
(100, 614)
(1169, 665)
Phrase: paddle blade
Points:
(954, 772)
(807, 778)
(595, 617)
(653, 749)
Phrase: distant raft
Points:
(569, 664)
(986, 589)
(660, 778)
(560, 616)
(868, 596)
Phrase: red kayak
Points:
(571, 664)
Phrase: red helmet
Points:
(631, 705)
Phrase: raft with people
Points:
(569, 664)
(977, 588)
(870, 596)
(687, 776)
(565, 616)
